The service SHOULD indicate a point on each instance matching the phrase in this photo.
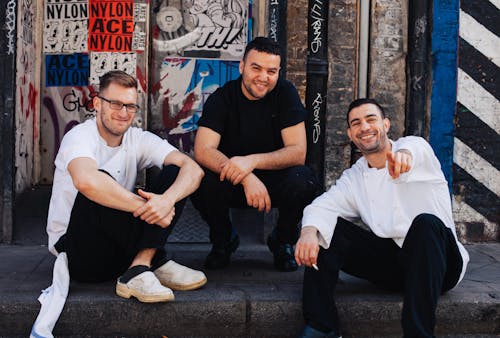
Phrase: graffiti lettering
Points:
(27, 22)
(316, 25)
(316, 105)
(10, 22)
(72, 102)
(217, 37)
(273, 26)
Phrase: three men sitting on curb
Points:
(251, 144)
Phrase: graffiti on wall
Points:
(64, 108)
(178, 93)
(10, 23)
(83, 39)
(65, 26)
(201, 28)
(27, 96)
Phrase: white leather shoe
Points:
(180, 277)
(146, 288)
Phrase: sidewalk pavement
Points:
(248, 299)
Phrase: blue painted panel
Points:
(444, 81)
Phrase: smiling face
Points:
(112, 123)
(368, 129)
(259, 73)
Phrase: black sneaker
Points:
(284, 258)
(220, 255)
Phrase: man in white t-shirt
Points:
(106, 229)
(399, 191)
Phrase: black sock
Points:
(132, 272)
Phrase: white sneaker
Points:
(145, 287)
(180, 277)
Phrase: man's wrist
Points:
(308, 229)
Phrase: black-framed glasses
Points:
(117, 105)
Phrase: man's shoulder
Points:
(137, 134)
(228, 88)
(285, 86)
(412, 142)
(81, 130)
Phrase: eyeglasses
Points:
(117, 105)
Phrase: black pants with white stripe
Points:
(428, 264)
(101, 242)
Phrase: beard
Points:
(375, 147)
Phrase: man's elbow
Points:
(84, 185)
(198, 175)
(198, 154)
(301, 157)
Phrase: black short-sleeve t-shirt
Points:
(251, 126)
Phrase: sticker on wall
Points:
(201, 28)
(101, 63)
(139, 39)
(140, 12)
(66, 70)
(111, 25)
(65, 26)
(178, 95)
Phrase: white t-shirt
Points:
(139, 150)
(386, 205)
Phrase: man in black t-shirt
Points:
(252, 145)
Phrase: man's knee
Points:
(425, 224)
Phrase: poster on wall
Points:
(101, 63)
(111, 25)
(66, 70)
(178, 96)
(216, 29)
(65, 26)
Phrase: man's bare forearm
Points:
(211, 159)
(187, 181)
(280, 159)
(105, 191)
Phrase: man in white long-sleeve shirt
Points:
(399, 191)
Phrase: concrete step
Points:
(248, 299)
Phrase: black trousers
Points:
(290, 191)
(101, 242)
(428, 264)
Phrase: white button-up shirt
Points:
(387, 206)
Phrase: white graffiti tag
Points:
(316, 105)
(316, 25)
(10, 22)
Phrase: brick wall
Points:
(387, 76)
(342, 55)
(297, 45)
